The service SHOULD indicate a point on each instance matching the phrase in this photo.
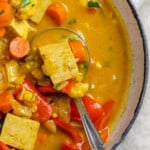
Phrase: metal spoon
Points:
(92, 134)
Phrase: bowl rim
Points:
(146, 72)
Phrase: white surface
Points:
(139, 135)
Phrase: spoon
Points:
(90, 130)
(56, 33)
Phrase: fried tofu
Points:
(19, 132)
(41, 8)
(20, 27)
(59, 62)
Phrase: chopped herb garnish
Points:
(92, 4)
(33, 5)
(57, 86)
(72, 21)
(31, 60)
(83, 67)
(24, 3)
(1, 123)
(1, 11)
(110, 49)
(51, 101)
(86, 65)
(70, 37)
(106, 63)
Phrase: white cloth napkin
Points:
(139, 135)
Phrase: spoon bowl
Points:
(59, 34)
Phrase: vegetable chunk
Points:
(58, 13)
(59, 62)
(5, 101)
(13, 74)
(19, 132)
(20, 27)
(41, 8)
(78, 50)
(19, 47)
(6, 14)
(24, 9)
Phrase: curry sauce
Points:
(105, 83)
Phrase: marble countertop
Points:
(138, 137)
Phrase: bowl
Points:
(139, 77)
(134, 95)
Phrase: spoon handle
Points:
(91, 132)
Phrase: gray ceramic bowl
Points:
(139, 72)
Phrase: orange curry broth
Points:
(110, 68)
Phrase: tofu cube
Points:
(41, 8)
(59, 62)
(21, 28)
(19, 132)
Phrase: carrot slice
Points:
(78, 50)
(4, 1)
(6, 14)
(19, 47)
(58, 13)
(2, 32)
(5, 102)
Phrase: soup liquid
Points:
(110, 67)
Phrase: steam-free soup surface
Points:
(109, 70)
(108, 74)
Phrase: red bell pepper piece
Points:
(101, 123)
(107, 107)
(86, 146)
(28, 84)
(74, 134)
(44, 109)
(50, 88)
(46, 89)
(74, 114)
(3, 146)
(70, 130)
(93, 108)
(68, 87)
(99, 114)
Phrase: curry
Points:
(43, 68)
